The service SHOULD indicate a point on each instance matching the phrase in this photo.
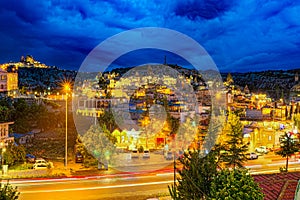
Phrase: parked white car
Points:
(135, 154)
(146, 154)
(41, 163)
(251, 156)
(261, 149)
(169, 155)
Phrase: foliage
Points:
(23, 166)
(141, 149)
(282, 169)
(88, 160)
(195, 177)
(8, 192)
(200, 179)
(229, 79)
(234, 147)
(27, 116)
(288, 146)
(14, 154)
(99, 142)
(102, 81)
(52, 104)
(235, 184)
(296, 118)
(107, 120)
(79, 146)
(5, 114)
(186, 133)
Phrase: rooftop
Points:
(281, 186)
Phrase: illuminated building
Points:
(8, 81)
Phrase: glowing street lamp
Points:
(67, 89)
(3, 149)
(2, 152)
(145, 122)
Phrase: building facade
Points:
(4, 132)
(8, 81)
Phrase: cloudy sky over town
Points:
(240, 35)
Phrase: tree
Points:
(14, 154)
(8, 192)
(296, 118)
(102, 82)
(195, 178)
(235, 149)
(229, 79)
(235, 184)
(5, 114)
(21, 116)
(107, 119)
(288, 146)
(100, 143)
(186, 133)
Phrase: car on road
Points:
(146, 154)
(251, 156)
(261, 149)
(79, 158)
(169, 155)
(135, 154)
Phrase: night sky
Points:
(241, 35)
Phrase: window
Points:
(3, 77)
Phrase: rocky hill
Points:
(276, 83)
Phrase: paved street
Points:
(102, 187)
(126, 185)
(270, 163)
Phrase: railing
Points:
(297, 192)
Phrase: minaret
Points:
(296, 77)
(165, 60)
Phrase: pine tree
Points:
(234, 146)
(235, 184)
(229, 79)
(195, 178)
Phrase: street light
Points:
(145, 122)
(67, 88)
(2, 152)
(3, 149)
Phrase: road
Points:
(126, 185)
(270, 163)
(102, 187)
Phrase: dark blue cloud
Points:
(206, 9)
(239, 35)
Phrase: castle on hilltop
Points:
(27, 61)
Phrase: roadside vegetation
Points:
(8, 192)
(219, 174)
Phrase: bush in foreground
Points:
(8, 192)
(235, 184)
